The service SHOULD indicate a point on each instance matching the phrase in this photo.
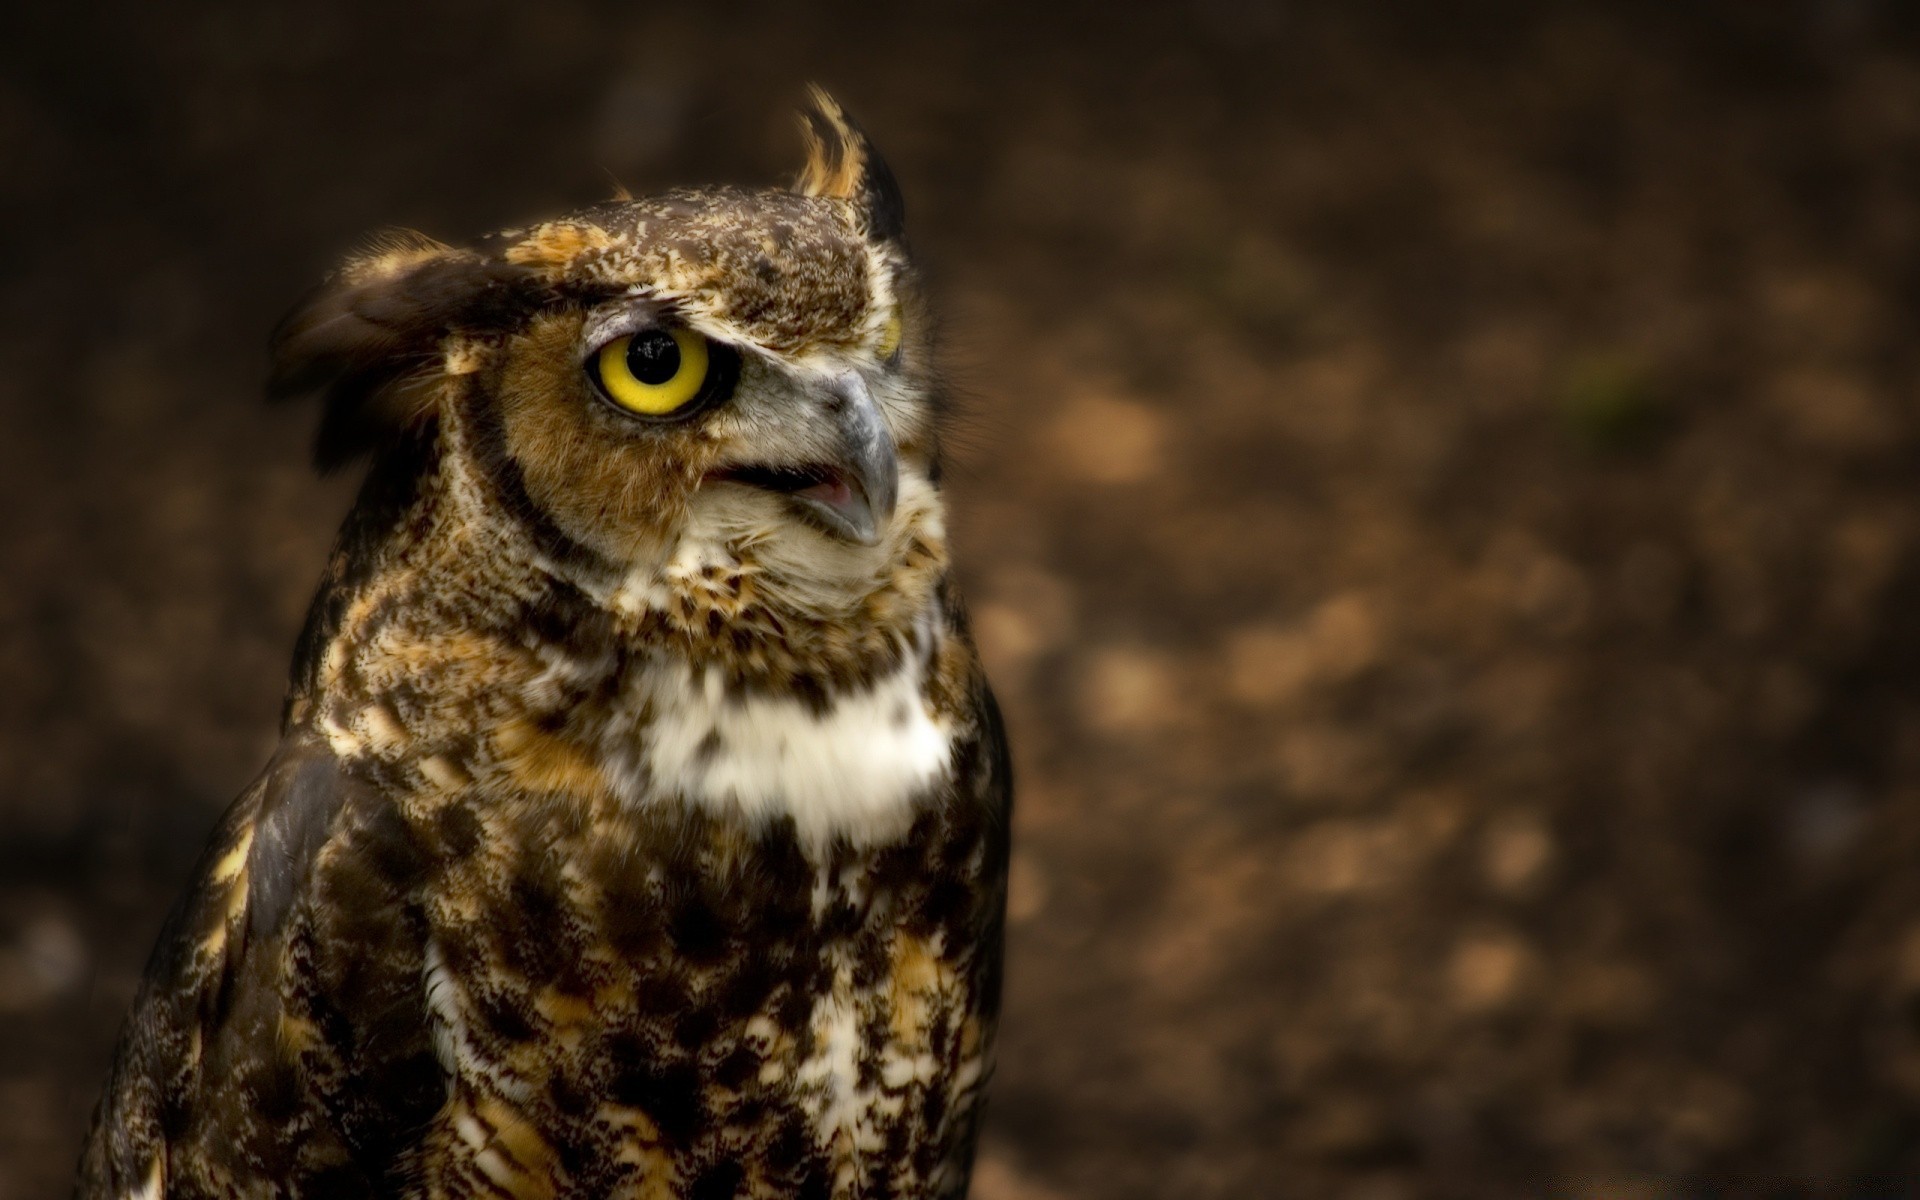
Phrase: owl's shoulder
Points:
(295, 929)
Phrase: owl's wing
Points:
(281, 1031)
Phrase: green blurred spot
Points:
(1253, 279)
(1609, 403)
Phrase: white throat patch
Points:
(853, 770)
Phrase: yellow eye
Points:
(654, 372)
(890, 335)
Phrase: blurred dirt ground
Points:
(1437, 489)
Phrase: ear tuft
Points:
(367, 341)
(843, 165)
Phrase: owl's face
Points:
(735, 362)
(656, 380)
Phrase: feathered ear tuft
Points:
(368, 340)
(842, 164)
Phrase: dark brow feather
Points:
(356, 342)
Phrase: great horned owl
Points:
(639, 821)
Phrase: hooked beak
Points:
(854, 490)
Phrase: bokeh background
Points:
(1437, 486)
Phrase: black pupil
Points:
(653, 357)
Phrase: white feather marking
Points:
(471, 1131)
(155, 1185)
(830, 1079)
(855, 770)
(443, 1002)
(494, 1165)
(446, 1000)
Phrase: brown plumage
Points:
(639, 824)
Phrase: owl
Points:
(639, 823)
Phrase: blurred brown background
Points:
(1438, 493)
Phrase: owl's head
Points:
(646, 384)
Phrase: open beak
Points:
(852, 491)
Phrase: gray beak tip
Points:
(863, 505)
(858, 509)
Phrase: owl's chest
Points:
(855, 765)
(659, 994)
